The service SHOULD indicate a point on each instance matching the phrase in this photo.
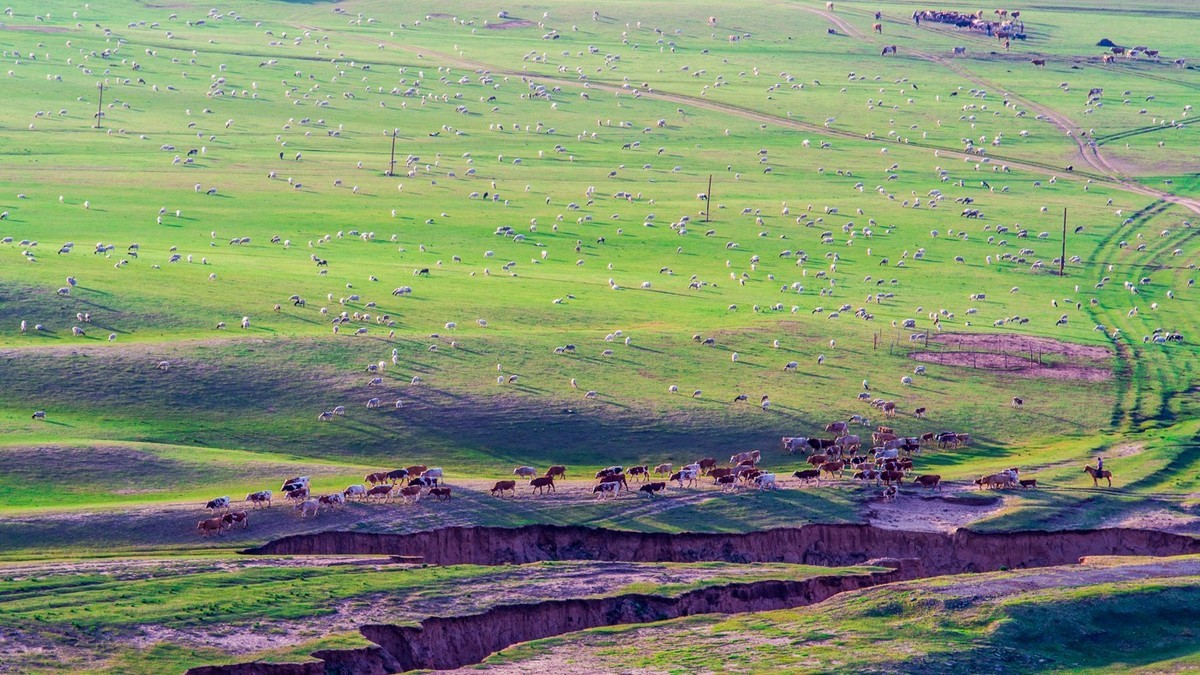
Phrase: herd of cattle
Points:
(886, 462)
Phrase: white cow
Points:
(309, 506)
(766, 481)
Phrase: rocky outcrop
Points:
(958, 552)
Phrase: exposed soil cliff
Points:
(954, 553)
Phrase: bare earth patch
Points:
(927, 511)
(1019, 355)
(36, 29)
(1158, 519)
(509, 25)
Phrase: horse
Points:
(1097, 475)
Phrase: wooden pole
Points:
(708, 199)
(99, 105)
(392, 164)
(1062, 262)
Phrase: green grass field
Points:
(238, 147)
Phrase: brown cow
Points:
(332, 500)
(927, 437)
(1028, 483)
(618, 478)
(998, 480)
(878, 28)
(234, 517)
(879, 437)
(808, 474)
(540, 484)
(442, 494)
(818, 460)
(742, 468)
(1040, 63)
(377, 478)
(411, 493)
(890, 477)
(417, 470)
(503, 485)
(556, 470)
(719, 473)
(832, 468)
(642, 471)
(385, 491)
(884, 430)
(707, 464)
(930, 481)
(211, 525)
(729, 482)
(651, 488)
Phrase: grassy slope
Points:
(261, 395)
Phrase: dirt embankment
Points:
(959, 552)
(475, 636)
(911, 555)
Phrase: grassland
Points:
(591, 137)
(707, 107)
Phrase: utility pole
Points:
(708, 199)
(392, 164)
(1062, 262)
(99, 105)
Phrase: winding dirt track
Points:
(1088, 151)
